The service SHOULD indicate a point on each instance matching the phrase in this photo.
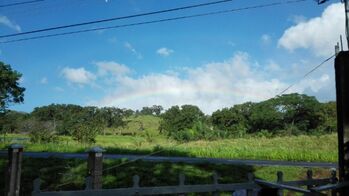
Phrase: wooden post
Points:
(309, 177)
(135, 187)
(334, 180)
(280, 179)
(95, 167)
(181, 182)
(342, 93)
(250, 177)
(215, 182)
(13, 179)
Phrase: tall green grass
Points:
(290, 148)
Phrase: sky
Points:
(212, 61)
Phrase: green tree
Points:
(329, 117)
(11, 121)
(41, 131)
(183, 123)
(10, 91)
(86, 126)
(299, 110)
(230, 120)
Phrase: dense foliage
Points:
(82, 123)
(10, 91)
(291, 114)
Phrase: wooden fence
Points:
(253, 186)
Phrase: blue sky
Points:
(212, 61)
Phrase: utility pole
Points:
(346, 5)
(342, 100)
(342, 94)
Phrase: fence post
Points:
(36, 186)
(135, 187)
(280, 179)
(181, 182)
(95, 167)
(215, 182)
(250, 177)
(334, 180)
(309, 177)
(13, 178)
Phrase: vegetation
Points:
(10, 91)
(286, 115)
(69, 174)
(292, 148)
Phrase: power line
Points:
(20, 3)
(115, 18)
(307, 74)
(154, 21)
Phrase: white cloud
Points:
(297, 19)
(211, 86)
(164, 52)
(232, 44)
(265, 39)
(318, 34)
(44, 80)
(133, 50)
(58, 89)
(78, 75)
(10, 24)
(272, 66)
(114, 68)
(313, 84)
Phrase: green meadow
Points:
(290, 148)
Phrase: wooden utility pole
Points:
(342, 92)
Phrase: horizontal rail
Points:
(190, 160)
(156, 190)
(331, 186)
(316, 182)
(287, 187)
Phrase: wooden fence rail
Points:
(95, 171)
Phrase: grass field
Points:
(290, 148)
(137, 138)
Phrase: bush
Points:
(264, 133)
(85, 132)
(42, 132)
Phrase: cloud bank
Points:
(318, 34)
(211, 86)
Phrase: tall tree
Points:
(10, 91)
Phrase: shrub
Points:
(85, 132)
(41, 132)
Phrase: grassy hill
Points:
(138, 125)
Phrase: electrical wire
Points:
(307, 74)
(116, 18)
(20, 3)
(154, 21)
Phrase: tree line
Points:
(290, 114)
(45, 123)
